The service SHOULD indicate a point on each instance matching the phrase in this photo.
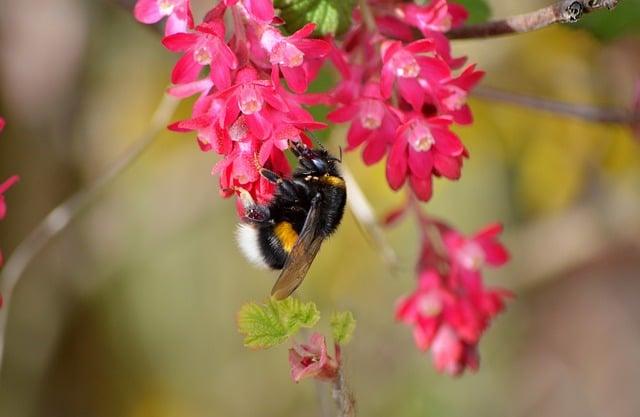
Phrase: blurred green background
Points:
(131, 311)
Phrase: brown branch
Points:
(578, 111)
(564, 11)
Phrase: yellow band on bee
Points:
(332, 180)
(286, 235)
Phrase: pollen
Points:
(202, 56)
(286, 235)
(166, 7)
(249, 99)
(420, 137)
(406, 65)
(371, 114)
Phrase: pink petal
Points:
(186, 69)
(221, 76)
(262, 10)
(259, 125)
(176, 24)
(343, 114)
(296, 78)
(189, 89)
(386, 81)
(303, 32)
(374, 151)
(420, 46)
(420, 163)
(422, 187)
(463, 116)
(447, 142)
(447, 166)
(180, 41)
(397, 164)
(357, 134)
(315, 48)
(2, 124)
(147, 11)
(411, 91)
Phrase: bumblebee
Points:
(287, 233)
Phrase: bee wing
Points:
(302, 255)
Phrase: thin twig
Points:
(60, 217)
(564, 11)
(579, 111)
(343, 398)
(367, 16)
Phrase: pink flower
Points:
(260, 10)
(477, 251)
(449, 313)
(254, 99)
(2, 124)
(371, 122)
(412, 69)
(287, 54)
(312, 360)
(451, 355)
(178, 12)
(424, 147)
(450, 97)
(202, 48)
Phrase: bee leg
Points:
(270, 176)
(253, 212)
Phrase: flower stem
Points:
(367, 15)
(60, 217)
(345, 402)
(564, 11)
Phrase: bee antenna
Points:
(340, 149)
(314, 139)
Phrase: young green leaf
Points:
(332, 17)
(272, 323)
(342, 326)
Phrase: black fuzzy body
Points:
(317, 176)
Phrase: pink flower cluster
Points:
(451, 307)
(4, 186)
(243, 112)
(402, 96)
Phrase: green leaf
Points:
(607, 25)
(342, 326)
(479, 10)
(332, 17)
(272, 323)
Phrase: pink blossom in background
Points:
(311, 360)
(178, 13)
(451, 307)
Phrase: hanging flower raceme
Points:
(402, 95)
(451, 307)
